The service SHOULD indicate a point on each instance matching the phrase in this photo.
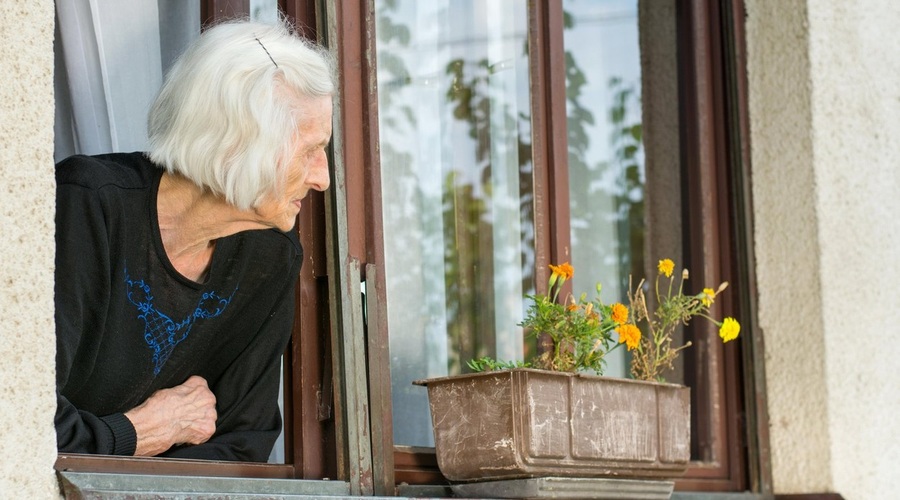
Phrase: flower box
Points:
(535, 423)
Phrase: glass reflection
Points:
(606, 156)
(455, 132)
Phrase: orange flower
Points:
(619, 313)
(630, 335)
(572, 307)
(565, 270)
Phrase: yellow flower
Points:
(729, 330)
(666, 266)
(709, 296)
(619, 313)
(565, 270)
(630, 335)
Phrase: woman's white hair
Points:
(227, 114)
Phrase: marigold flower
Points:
(630, 335)
(666, 266)
(565, 270)
(710, 296)
(729, 330)
(619, 313)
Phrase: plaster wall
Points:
(27, 346)
(854, 52)
(824, 107)
(787, 238)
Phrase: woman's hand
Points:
(184, 414)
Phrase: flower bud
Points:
(684, 274)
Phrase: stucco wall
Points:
(855, 62)
(824, 84)
(27, 397)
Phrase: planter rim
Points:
(435, 380)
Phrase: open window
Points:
(485, 140)
(475, 143)
(306, 449)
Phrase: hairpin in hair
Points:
(267, 51)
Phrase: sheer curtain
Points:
(110, 60)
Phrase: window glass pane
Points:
(264, 10)
(455, 132)
(624, 203)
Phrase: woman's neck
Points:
(191, 220)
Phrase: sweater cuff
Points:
(124, 436)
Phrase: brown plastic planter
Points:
(534, 423)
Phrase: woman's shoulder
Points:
(124, 170)
(277, 241)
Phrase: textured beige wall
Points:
(787, 240)
(855, 61)
(825, 115)
(27, 347)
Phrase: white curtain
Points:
(110, 60)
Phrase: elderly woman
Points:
(175, 268)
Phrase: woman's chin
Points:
(285, 226)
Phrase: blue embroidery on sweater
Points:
(161, 332)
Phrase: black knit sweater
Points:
(129, 324)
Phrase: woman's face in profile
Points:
(308, 168)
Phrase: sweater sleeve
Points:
(249, 419)
(82, 432)
(81, 289)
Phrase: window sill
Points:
(110, 486)
(140, 486)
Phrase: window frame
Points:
(338, 420)
(729, 392)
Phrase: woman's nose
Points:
(319, 176)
